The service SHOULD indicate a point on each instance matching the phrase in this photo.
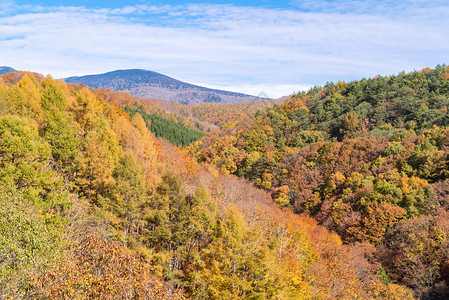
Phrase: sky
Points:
(275, 47)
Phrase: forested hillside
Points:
(184, 124)
(169, 130)
(93, 206)
(206, 117)
(368, 159)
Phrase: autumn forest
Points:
(338, 192)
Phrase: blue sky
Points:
(277, 47)
(117, 4)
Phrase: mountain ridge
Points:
(152, 85)
(6, 69)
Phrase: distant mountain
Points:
(152, 85)
(4, 70)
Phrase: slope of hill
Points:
(152, 85)
(220, 114)
(204, 117)
(368, 159)
(91, 205)
(4, 70)
(166, 109)
(213, 115)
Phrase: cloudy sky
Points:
(277, 47)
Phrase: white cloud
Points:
(384, 7)
(244, 48)
(6, 6)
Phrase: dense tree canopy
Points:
(176, 133)
(93, 206)
(366, 159)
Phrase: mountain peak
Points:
(5, 69)
(153, 85)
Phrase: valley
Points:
(337, 191)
